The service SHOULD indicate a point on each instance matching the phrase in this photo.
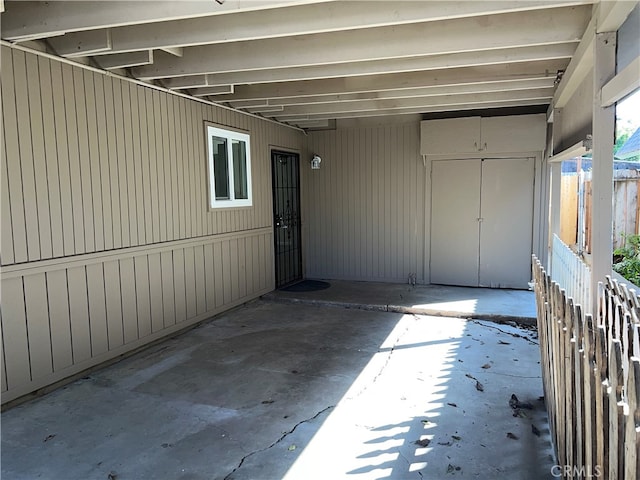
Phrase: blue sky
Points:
(628, 111)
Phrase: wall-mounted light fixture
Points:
(315, 162)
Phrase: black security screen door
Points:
(286, 213)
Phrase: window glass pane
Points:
(626, 164)
(240, 187)
(229, 160)
(220, 168)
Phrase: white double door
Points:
(482, 222)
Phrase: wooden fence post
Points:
(567, 363)
(589, 393)
(557, 365)
(591, 376)
(578, 385)
(616, 410)
(632, 427)
(601, 399)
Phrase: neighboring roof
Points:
(631, 147)
(310, 62)
(570, 166)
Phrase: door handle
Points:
(280, 222)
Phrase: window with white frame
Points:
(229, 155)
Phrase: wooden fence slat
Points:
(578, 382)
(616, 410)
(560, 373)
(634, 333)
(632, 427)
(591, 377)
(569, 399)
(601, 398)
(589, 389)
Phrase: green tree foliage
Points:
(626, 260)
(620, 140)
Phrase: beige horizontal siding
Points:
(107, 240)
(365, 208)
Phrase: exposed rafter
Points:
(578, 68)
(176, 51)
(446, 37)
(310, 62)
(413, 93)
(452, 107)
(611, 14)
(291, 21)
(624, 83)
(397, 81)
(329, 109)
(374, 67)
(30, 20)
(208, 91)
(125, 60)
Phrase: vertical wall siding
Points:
(61, 317)
(107, 241)
(364, 209)
(95, 163)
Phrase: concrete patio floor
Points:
(491, 304)
(272, 390)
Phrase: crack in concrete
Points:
(386, 363)
(515, 335)
(510, 375)
(284, 435)
(409, 463)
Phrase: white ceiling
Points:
(308, 62)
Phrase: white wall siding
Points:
(107, 239)
(364, 209)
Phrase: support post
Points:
(602, 170)
(555, 188)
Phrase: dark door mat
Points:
(307, 286)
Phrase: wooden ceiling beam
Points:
(477, 34)
(327, 110)
(30, 20)
(416, 110)
(561, 51)
(291, 21)
(398, 81)
(485, 87)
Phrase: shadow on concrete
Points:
(275, 391)
(438, 422)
